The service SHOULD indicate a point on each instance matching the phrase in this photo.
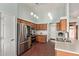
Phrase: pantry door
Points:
(9, 36)
(0, 35)
(72, 33)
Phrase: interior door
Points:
(72, 33)
(0, 34)
(9, 41)
(52, 31)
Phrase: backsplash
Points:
(41, 32)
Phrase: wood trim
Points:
(25, 22)
(77, 32)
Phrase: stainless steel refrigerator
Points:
(22, 38)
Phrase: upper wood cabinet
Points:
(58, 26)
(18, 20)
(25, 22)
(62, 25)
(35, 26)
(41, 26)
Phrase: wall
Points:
(9, 8)
(43, 21)
(41, 32)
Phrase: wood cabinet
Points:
(41, 26)
(37, 27)
(33, 26)
(41, 38)
(26, 23)
(62, 25)
(58, 26)
(18, 20)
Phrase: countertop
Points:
(72, 47)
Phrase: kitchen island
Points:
(66, 48)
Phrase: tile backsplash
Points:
(41, 32)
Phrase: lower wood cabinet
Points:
(63, 53)
(41, 38)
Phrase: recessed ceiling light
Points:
(34, 15)
(37, 17)
(78, 17)
(31, 13)
(49, 15)
(51, 18)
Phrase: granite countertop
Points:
(72, 47)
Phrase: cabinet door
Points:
(41, 38)
(34, 26)
(58, 26)
(63, 25)
(45, 26)
(38, 38)
(40, 26)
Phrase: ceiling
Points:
(57, 10)
(74, 9)
(41, 10)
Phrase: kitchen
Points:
(34, 25)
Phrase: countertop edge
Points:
(66, 51)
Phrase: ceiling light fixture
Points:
(78, 17)
(37, 17)
(49, 15)
(32, 13)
